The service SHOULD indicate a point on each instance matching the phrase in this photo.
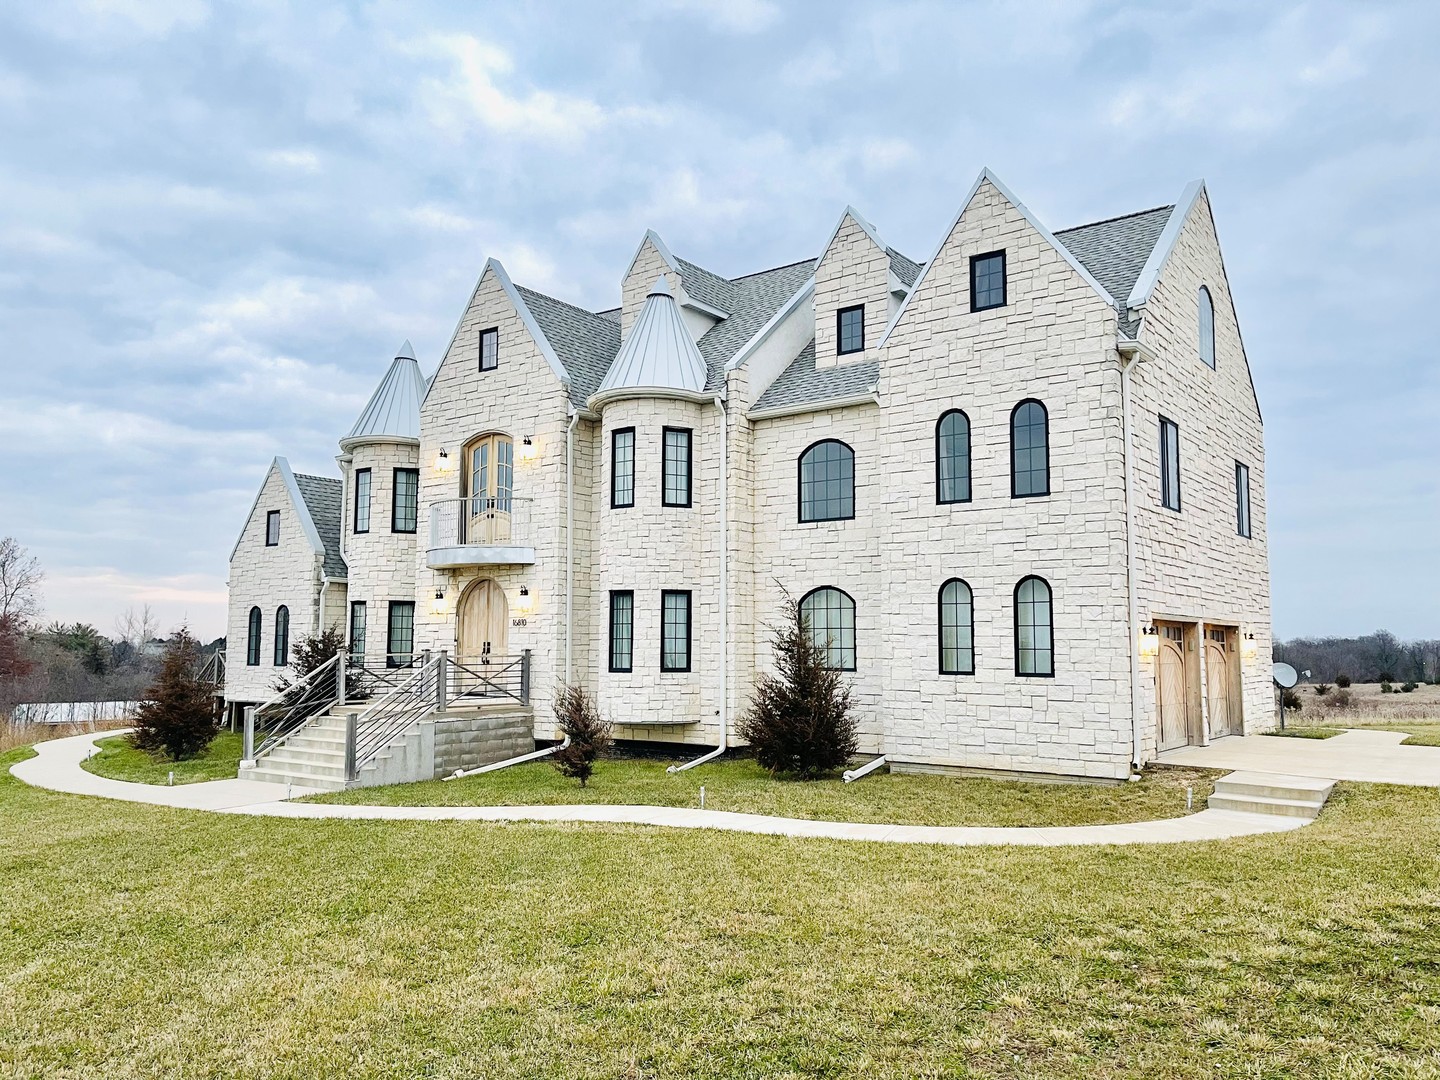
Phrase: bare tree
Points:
(20, 578)
(133, 630)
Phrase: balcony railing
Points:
(481, 530)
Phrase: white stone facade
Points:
(1062, 337)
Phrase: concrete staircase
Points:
(1271, 793)
(313, 757)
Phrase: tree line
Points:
(1372, 658)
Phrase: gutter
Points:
(1131, 353)
(724, 710)
(869, 397)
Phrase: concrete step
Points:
(318, 740)
(1260, 804)
(326, 755)
(1271, 793)
(299, 780)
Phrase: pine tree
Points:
(177, 717)
(579, 718)
(799, 722)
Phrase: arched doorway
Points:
(481, 636)
(488, 467)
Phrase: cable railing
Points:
(288, 711)
(491, 675)
(378, 726)
(371, 673)
(480, 519)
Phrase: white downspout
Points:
(570, 541)
(724, 710)
(1132, 585)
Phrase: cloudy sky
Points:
(217, 222)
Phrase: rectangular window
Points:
(622, 467)
(362, 500)
(676, 467)
(622, 630)
(400, 639)
(1242, 499)
(850, 329)
(405, 505)
(674, 631)
(987, 281)
(272, 528)
(1169, 464)
(357, 629)
(490, 349)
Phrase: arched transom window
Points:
(1029, 450)
(830, 614)
(1034, 628)
(1207, 326)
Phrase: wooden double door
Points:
(1178, 683)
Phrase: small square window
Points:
(850, 329)
(272, 528)
(490, 349)
(987, 281)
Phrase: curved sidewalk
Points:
(57, 767)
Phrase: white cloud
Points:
(81, 594)
(297, 159)
(814, 67)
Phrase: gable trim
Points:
(653, 237)
(804, 293)
(1031, 219)
(1160, 253)
(297, 502)
(865, 227)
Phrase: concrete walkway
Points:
(1374, 757)
(57, 767)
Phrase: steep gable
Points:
(854, 269)
(315, 502)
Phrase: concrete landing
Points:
(1373, 757)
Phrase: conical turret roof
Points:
(658, 353)
(393, 411)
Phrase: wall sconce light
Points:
(437, 606)
(525, 603)
(527, 449)
(442, 461)
(1249, 648)
(1149, 643)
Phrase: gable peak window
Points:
(1034, 629)
(1207, 325)
(675, 467)
(952, 458)
(830, 614)
(252, 639)
(987, 281)
(957, 629)
(850, 329)
(490, 349)
(1169, 464)
(1029, 450)
(1242, 499)
(362, 500)
(622, 468)
(272, 528)
(827, 482)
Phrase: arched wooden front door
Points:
(483, 620)
(1173, 684)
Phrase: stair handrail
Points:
(290, 709)
(411, 701)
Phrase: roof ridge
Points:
(315, 476)
(1117, 217)
(772, 269)
(563, 303)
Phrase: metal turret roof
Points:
(394, 409)
(658, 353)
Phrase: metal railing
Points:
(288, 711)
(491, 675)
(371, 673)
(481, 519)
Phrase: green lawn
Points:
(138, 941)
(1422, 732)
(741, 785)
(119, 760)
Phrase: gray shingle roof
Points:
(802, 384)
(585, 342)
(704, 286)
(1115, 250)
(323, 495)
(754, 299)
(906, 269)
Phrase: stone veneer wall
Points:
(381, 561)
(853, 270)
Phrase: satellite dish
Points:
(1285, 676)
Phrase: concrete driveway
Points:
(1369, 756)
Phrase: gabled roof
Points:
(658, 353)
(585, 341)
(755, 298)
(393, 411)
(903, 267)
(1115, 250)
(1160, 253)
(801, 383)
(317, 501)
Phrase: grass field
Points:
(743, 786)
(137, 941)
(119, 760)
(1322, 724)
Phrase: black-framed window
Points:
(675, 630)
(622, 630)
(850, 329)
(272, 528)
(405, 502)
(282, 636)
(952, 458)
(987, 281)
(622, 467)
(675, 468)
(400, 634)
(957, 628)
(1029, 450)
(1242, 499)
(830, 614)
(1206, 308)
(490, 349)
(1169, 464)
(252, 639)
(827, 481)
(357, 629)
(362, 501)
(1034, 628)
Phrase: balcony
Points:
(483, 530)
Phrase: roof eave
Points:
(869, 397)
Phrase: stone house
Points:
(1018, 489)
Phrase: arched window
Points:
(827, 482)
(1034, 628)
(1029, 450)
(957, 629)
(252, 642)
(1207, 326)
(282, 636)
(952, 458)
(830, 614)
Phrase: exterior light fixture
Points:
(438, 605)
(1249, 648)
(1149, 643)
(525, 604)
(442, 460)
(527, 448)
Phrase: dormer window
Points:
(987, 281)
(850, 330)
(490, 349)
(272, 528)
